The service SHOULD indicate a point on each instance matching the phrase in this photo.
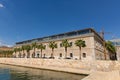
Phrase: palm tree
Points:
(34, 46)
(15, 50)
(52, 45)
(41, 47)
(23, 49)
(28, 48)
(80, 43)
(3, 53)
(110, 47)
(65, 44)
(19, 50)
(9, 53)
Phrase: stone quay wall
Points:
(65, 65)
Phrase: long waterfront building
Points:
(94, 49)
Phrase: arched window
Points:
(60, 54)
(38, 55)
(84, 55)
(71, 54)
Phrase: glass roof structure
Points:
(60, 36)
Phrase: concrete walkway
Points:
(97, 75)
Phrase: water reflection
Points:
(8, 72)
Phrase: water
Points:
(8, 72)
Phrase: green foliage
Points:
(34, 45)
(28, 48)
(7, 53)
(41, 46)
(80, 43)
(23, 48)
(110, 47)
(53, 45)
(65, 43)
(15, 50)
(19, 49)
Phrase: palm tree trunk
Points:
(52, 53)
(34, 50)
(66, 52)
(15, 54)
(27, 54)
(19, 54)
(33, 54)
(80, 53)
(41, 53)
(23, 54)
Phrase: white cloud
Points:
(1, 5)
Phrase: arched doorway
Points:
(60, 55)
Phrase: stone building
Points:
(94, 49)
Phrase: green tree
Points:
(80, 43)
(34, 46)
(15, 50)
(23, 49)
(19, 50)
(9, 53)
(110, 47)
(65, 44)
(52, 45)
(41, 47)
(6, 53)
(28, 48)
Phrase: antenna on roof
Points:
(102, 33)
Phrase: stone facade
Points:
(93, 50)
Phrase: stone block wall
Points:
(73, 66)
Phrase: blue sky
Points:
(27, 19)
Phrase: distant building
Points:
(5, 48)
(116, 43)
(93, 51)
